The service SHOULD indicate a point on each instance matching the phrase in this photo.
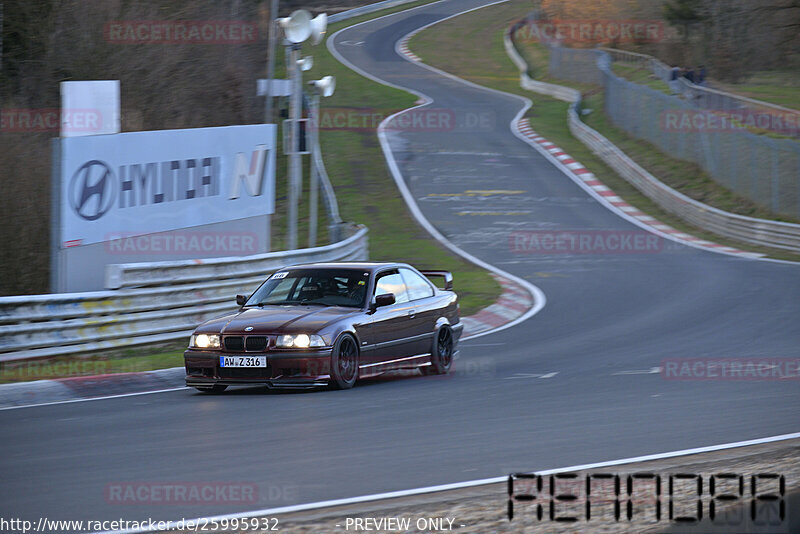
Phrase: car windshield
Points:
(324, 287)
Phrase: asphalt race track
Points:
(573, 385)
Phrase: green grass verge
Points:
(777, 87)
(640, 75)
(482, 59)
(366, 194)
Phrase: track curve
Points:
(609, 318)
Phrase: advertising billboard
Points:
(162, 195)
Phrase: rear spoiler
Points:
(447, 275)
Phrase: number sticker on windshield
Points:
(278, 276)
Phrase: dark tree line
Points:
(737, 37)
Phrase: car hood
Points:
(278, 320)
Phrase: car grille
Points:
(244, 372)
(255, 343)
(233, 343)
(249, 343)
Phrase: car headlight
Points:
(204, 341)
(300, 341)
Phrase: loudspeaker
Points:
(326, 86)
(297, 26)
(306, 63)
(318, 26)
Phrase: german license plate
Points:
(242, 361)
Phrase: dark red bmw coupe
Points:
(329, 324)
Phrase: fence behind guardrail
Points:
(699, 125)
(762, 232)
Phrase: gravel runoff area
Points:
(484, 509)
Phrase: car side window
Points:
(418, 288)
(392, 283)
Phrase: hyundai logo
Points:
(248, 329)
(92, 190)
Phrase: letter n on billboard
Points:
(250, 173)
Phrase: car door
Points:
(390, 326)
(423, 320)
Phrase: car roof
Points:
(361, 265)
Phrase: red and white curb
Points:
(402, 47)
(514, 302)
(608, 196)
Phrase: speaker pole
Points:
(314, 184)
(273, 31)
(295, 163)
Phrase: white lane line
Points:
(106, 397)
(530, 375)
(467, 484)
(537, 294)
(651, 371)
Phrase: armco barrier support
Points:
(74, 323)
(762, 232)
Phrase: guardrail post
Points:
(775, 183)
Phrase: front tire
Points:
(441, 353)
(344, 363)
(216, 388)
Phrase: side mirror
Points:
(387, 299)
(241, 299)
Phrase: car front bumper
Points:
(285, 369)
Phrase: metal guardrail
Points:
(75, 323)
(129, 275)
(566, 94)
(365, 10)
(762, 232)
